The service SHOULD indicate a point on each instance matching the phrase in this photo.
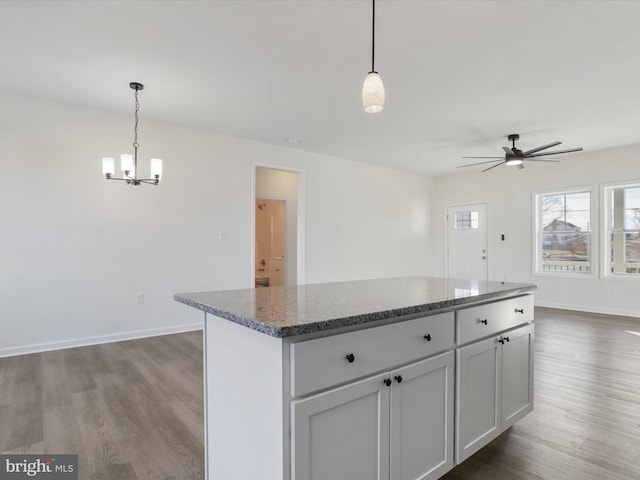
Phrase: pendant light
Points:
(373, 89)
(128, 162)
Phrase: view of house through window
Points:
(623, 235)
(564, 232)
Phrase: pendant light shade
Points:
(373, 93)
(373, 88)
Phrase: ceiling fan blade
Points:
(494, 166)
(557, 152)
(507, 150)
(543, 147)
(480, 163)
(542, 160)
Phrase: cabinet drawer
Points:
(478, 322)
(324, 362)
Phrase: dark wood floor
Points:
(133, 410)
(586, 421)
(130, 410)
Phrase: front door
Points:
(467, 242)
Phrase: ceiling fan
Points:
(515, 156)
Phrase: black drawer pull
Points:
(398, 378)
(427, 337)
(350, 357)
(520, 311)
(387, 382)
(484, 321)
(503, 339)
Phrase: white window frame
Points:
(605, 267)
(593, 236)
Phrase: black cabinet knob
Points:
(398, 378)
(521, 310)
(506, 339)
(387, 382)
(484, 321)
(427, 337)
(501, 340)
(350, 357)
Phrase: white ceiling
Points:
(459, 75)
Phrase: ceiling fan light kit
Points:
(513, 156)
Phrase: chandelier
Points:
(128, 162)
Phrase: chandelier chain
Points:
(135, 127)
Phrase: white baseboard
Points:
(84, 342)
(589, 309)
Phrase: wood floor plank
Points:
(586, 421)
(134, 410)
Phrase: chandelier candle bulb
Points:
(156, 168)
(126, 162)
(108, 166)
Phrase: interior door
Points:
(467, 242)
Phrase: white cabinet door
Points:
(422, 419)
(494, 388)
(342, 434)
(478, 396)
(517, 375)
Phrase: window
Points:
(622, 234)
(563, 226)
(465, 220)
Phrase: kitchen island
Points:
(385, 379)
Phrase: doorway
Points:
(467, 242)
(276, 188)
(269, 243)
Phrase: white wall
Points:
(508, 193)
(76, 249)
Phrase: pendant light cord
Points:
(373, 37)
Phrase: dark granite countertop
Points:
(301, 309)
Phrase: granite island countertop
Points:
(301, 309)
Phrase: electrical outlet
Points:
(139, 298)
